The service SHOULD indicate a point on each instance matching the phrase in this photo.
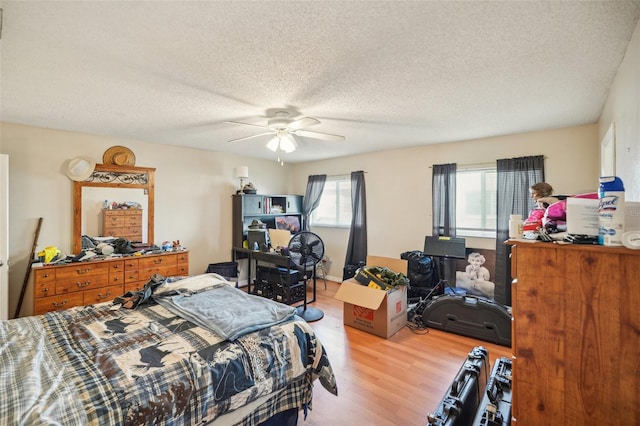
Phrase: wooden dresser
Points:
(125, 224)
(85, 283)
(576, 334)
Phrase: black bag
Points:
(123, 246)
(349, 271)
(421, 269)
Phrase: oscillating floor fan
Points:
(306, 249)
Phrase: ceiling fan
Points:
(284, 129)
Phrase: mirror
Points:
(93, 203)
(114, 183)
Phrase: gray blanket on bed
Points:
(227, 311)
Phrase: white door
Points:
(4, 236)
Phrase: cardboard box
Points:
(378, 312)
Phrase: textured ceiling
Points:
(383, 74)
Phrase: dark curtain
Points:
(443, 188)
(357, 247)
(515, 176)
(315, 186)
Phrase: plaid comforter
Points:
(95, 365)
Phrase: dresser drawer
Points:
(123, 212)
(118, 221)
(44, 289)
(83, 269)
(116, 277)
(104, 294)
(131, 264)
(81, 283)
(158, 261)
(127, 232)
(57, 303)
(132, 275)
(116, 266)
(134, 285)
(182, 269)
(164, 270)
(112, 221)
(182, 257)
(44, 275)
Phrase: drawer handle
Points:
(57, 305)
(84, 284)
(116, 266)
(45, 276)
(116, 279)
(45, 290)
(83, 271)
(157, 261)
(101, 296)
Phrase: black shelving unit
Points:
(267, 208)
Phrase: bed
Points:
(106, 364)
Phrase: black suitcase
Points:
(460, 402)
(495, 407)
(471, 316)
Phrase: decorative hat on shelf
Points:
(257, 224)
(249, 188)
(119, 156)
(80, 168)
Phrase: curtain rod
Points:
(344, 174)
(488, 163)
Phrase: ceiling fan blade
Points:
(302, 123)
(250, 137)
(318, 135)
(245, 124)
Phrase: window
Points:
(335, 204)
(476, 205)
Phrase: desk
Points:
(271, 258)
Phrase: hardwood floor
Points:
(385, 382)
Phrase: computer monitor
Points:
(257, 239)
(279, 238)
(439, 246)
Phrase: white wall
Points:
(193, 191)
(623, 109)
(398, 183)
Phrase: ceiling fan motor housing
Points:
(280, 122)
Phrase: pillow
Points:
(191, 284)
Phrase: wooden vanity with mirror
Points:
(58, 287)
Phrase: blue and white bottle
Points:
(611, 211)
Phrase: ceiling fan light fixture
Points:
(287, 144)
(285, 130)
(274, 143)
